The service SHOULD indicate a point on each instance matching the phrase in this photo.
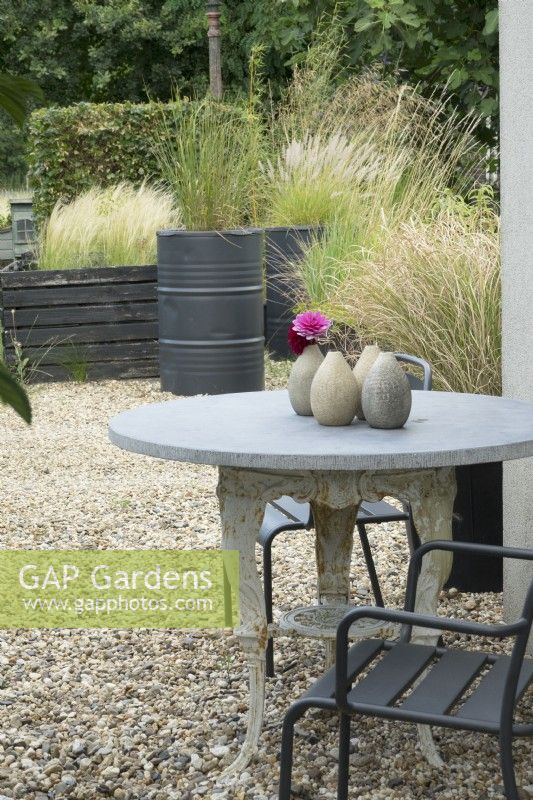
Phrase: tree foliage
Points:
(15, 92)
(102, 50)
(432, 43)
(114, 50)
(132, 50)
(436, 43)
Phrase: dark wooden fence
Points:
(100, 322)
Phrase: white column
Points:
(516, 78)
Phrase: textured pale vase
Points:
(302, 373)
(334, 392)
(362, 368)
(386, 394)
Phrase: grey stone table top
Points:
(260, 430)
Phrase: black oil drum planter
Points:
(210, 300)
(282, 245)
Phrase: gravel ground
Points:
(154, 715)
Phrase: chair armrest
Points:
(455, 547)
(411, 618)
(471, 547)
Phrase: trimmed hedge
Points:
(72, 149)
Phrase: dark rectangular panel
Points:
(120, 331)
(78, 295)
(445, 683)
(74, 315)
(113, 351)
(358, 657)
(484, 705)
(393, 675)
(90, 275)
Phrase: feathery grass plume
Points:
(131, 219)
(313, 177)
(434, 290)
(208, 156)
(107, 227)
(5, 210)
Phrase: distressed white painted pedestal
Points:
(264, 451)
(335, 497)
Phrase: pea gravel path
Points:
(154, 715)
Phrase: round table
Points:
(263, 451)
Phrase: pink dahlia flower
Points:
(311, 325)
(305, 330)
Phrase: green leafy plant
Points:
(208, 156)
(13, 394)
(107, 227)
(75, 362)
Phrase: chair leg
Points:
(287, 745)
(344, 757)
(371, 567)
(412, 536)
(507, 765)
(267, 589)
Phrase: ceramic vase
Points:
(386, 397)
(302, 373)
(362, 368)
(333, 392)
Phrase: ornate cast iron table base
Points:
(335, 497)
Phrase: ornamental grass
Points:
(361, 148)
(433, 290)
(406, 260)
(115, 226)
(208, 157)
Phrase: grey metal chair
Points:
(286, 514)
(442, 696)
